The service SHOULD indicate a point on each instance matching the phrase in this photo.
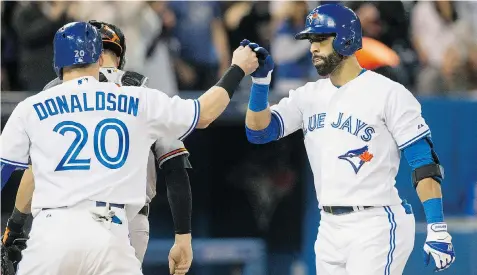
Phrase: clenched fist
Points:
(246, 59)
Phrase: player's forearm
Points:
(212, 104)
(258, 113)
(427, 178)
(430, 194)
(22, 208)
(261, 126)
(215, 100)
(25, 192)
(180, 199)
(258, 120)
(428, 189)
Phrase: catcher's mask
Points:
(113, 39)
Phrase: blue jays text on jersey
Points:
(354, 126)
(79, 103)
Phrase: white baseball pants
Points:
(70, 241)
(139, 235)
(374, 241)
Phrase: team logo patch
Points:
(316, 19)
(357, 157)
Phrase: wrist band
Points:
(17, 220)
(433, 210)
(258, 97)
(231, 79)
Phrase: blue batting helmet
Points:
(76, 43)
(335, 20)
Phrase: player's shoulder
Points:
(24, 107)
(308, 87)
(311, 89)
(383, 83)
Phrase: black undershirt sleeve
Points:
(179, 192)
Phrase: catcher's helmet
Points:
(113, 39)
(335, 20)
(76, 43)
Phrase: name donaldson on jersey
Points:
(79, 103)
(354, 126)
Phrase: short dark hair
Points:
(111, 51)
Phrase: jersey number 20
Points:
(71, 162)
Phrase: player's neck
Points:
(110, 61)
(348, 70)
(73, 74)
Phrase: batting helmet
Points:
(76, 43)
(113, 39)
(335, 20)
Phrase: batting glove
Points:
(263, 75)
(439, 245)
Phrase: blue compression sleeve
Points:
(418, 154)
(266, 135)
(434, 210)
(258, 97)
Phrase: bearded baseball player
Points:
(356, 125)
(88, 142)
(171, 156)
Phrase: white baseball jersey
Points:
(353, 136)
(91, 140)
(164, 149)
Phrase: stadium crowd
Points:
(184, 45)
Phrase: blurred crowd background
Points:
(254, 206)
(184, 45)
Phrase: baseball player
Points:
(171, 156)
(88, 142)
(356, 123)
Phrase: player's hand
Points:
(180, 255)
(246, 59)
(263, 75)
(439, 245)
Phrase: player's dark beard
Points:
(329, 64)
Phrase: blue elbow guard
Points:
(266, 135)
